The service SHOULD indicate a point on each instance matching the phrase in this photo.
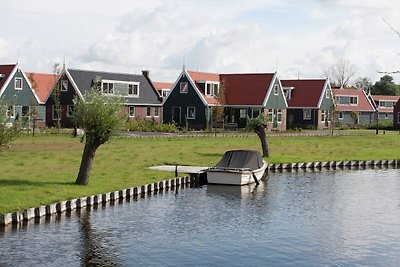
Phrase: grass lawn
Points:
(42, 170)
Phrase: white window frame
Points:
(53, 113)
(307, 114)
(156, 112)
(69, 109)
(323, 115)
(183, 87)
(10, 112)
(108, 87)
(276, 89)
(64, 84)
(288, 93)
(193, 113)
(270, 115)
(353, 97)
(129, 111)
(211, 88)
(133, 89)
(340, 115)
(18, 80)
(164, 92)
(327, 94)
(148, 111)
(244, 111)
(279, 115)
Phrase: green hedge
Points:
(141, 125)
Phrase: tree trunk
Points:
(86, 163)
(263, 138)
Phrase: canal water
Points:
(343, 218)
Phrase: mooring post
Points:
(176, 170)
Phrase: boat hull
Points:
(234, 176)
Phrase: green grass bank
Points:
(42, 170)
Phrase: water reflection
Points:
(95, 249)
(245, 193)
(347, 218)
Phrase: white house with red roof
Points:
(385, 106)
(191, 101)
(354, 107)
(310, 103)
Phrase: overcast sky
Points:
(297, 38)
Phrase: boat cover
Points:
(241, 159)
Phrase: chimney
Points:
(146, 73)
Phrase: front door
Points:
(176, 114)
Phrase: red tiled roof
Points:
(246, 89)
(201, 77)
(42, 84)
(6, 71)
(306, 93)
(363, 104)
(162, 85)
(386, 97)
(378, 98)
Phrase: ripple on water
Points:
(344, 218)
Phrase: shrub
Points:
(142, 125)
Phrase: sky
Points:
(298, 39)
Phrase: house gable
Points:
(275, 97)
(326, 101)
(16, 89)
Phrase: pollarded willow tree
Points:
(259, 125)
(99, 116)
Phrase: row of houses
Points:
(193, 100)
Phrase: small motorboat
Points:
(238, 167)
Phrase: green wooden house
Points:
(17, 93)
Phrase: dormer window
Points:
(327, 93)
(164, 92)
(288, 92)
(133, 89)
(347, 100)
(212, 89)
(18, 83)
(387, 103)
(107, 88)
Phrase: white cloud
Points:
(218, 36)
(317, 13)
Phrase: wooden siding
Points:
(183, 101)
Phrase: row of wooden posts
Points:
(94, 200)
(176, 183)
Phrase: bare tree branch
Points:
(389, 72)
(391, 27)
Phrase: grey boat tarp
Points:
(241, 159)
